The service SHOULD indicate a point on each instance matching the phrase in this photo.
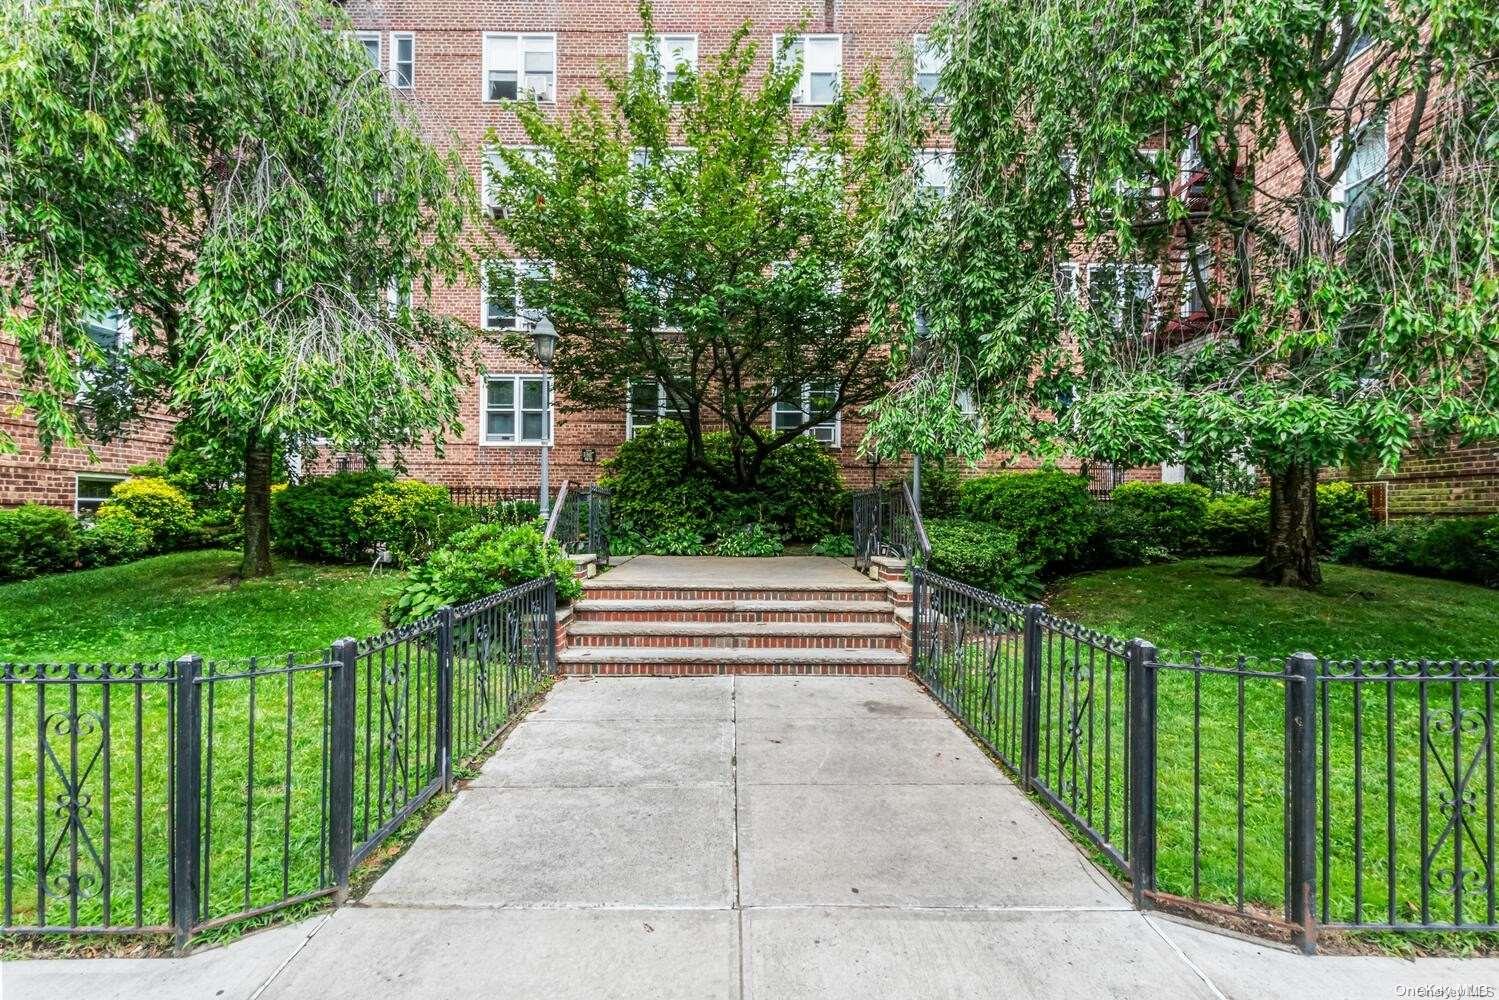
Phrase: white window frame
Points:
(945, 160)
(364, 38)
(515, 265)
(396, 38)
(489, 157)
(665, 41)
(1124, 287)
(927, 60)
(124, 336)
(112, 478)
(803, 93)
(517, 409)
(1189, 285)
(1153, 194)
(828, 432)
(1349, 180)
(525, 42)
(665, 410)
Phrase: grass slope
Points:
(161, 608)
(1203, 604)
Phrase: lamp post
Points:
(918, 357)
(544, 339)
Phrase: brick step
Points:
(648, 662)
(602, 589)
(591, 609)
(737, 635)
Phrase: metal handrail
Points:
(556, 512)
(922, 543)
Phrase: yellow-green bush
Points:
(160, 507)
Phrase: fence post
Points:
(918, 578)
(551, 600)
(187, 795)
(345, 659)
(445, 697)
(1140, 676)
(1030, 698)
(1301, 784)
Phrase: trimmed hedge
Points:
(314, 519)
(1146, 522)
(798, 493)
(161, 508)
(35, 539)
(1459, 548)
(114, 536)
(1238, 524)
(1048, 513)
(982, 555)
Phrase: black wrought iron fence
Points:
(1301, 794)
(580, 520)
(184, 795)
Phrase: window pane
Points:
(538, 62)
(500, 426)
(501, 394)
(532, 396)
(533, 427)
(95, 489)
(645, 401)
(372, 50)
(824, 88)
(502, 85)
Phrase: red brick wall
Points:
(30, 476)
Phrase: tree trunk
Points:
(1291, 551)
(257, 553)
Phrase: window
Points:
(402, 60)
(517, 409)
(501, 293)
(1145, 191)
(1067, 285)
(934, 170)
(1068, 162)
(1123, 294)
(493, 168)
(517, 66)
(673, 54)
(110, 333)
(397, 296)
(821, 58)
(649, 403)
(810, 401)
(929, 59)
(1354, 193)
(1193, 299)
(91, 491)
(371, 42)
(658, 292)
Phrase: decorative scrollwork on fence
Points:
(73, 805)
(1444, 733)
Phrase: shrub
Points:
(750, 540)
(1167, 516)
(1048, 512)
(406, 516)
(36, 539)
(940, 482)
(480, 561)
(158, 505)
(1125, 538)
(114, 536)
(798, 492)
(1341, 508)
(313, 520)
(1236, 524)
(980, 554)
(1459, 548)
(677, 541)
(836, 546)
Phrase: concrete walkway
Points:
(750, 837)
(669, 572)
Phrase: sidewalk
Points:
(747, 837)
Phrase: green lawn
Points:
(1203, 605)
(263, 747)
(161, 608)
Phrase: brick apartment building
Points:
(458, 62)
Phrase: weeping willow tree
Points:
(236, 187)
(1213, 233)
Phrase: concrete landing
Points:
(741, 837)
(724, 573)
